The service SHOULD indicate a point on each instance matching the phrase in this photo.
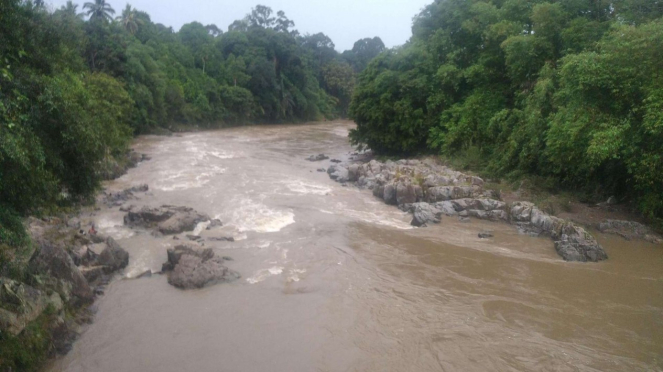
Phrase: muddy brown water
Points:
(334, 280)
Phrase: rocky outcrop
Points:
(20, 304)
(319, 157)
(116, 199)
(168, 220)
(428, 191)
(190, 268)
(630, 230)
(53, 261)
(572, 242)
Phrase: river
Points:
(335, 280)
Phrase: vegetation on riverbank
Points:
(77, 83)
(569, 92)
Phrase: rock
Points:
(389, 195)
(575, 244)
(447, 208)
(322, 170)
(20, 304)
(56, 262)
(92, 273)
(223, 239)
(336, 161)
(338, 173)
(168, 220)
(113, 257)
(119, 198)
(190, 268)
(406, 193)
(319, 157)
(572, 242)
(424, 213)
(464, 219)
(629, 230)
(194, 237)
(214, 223)
(485, 234)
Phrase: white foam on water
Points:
(264, 274)
(113, 228)
(264, 244)
(200, 227)
(303, 187)
(294, 275)
(253, 216)
(374, 218)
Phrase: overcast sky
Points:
(344, 21)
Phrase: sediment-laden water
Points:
(335, 280)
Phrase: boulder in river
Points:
(116, 199)
(423, 214)
(168, 220)
(572, 242)
(319, 157)
(190, 268)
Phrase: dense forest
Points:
(570, 91)
(77, 83)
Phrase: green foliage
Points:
(568, 91)
(27, 351)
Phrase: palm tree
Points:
(71, 9)
(129, 19)
(99, 10)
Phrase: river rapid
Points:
(335, 280)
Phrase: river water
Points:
(335, 280)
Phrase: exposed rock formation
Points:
(168, 220)
(116, 199)
(319, 157)
(630, 230)
(428, 191)
(190, 268)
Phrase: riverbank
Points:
(428, 190)
(48, 284)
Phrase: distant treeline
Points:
(570, 91)
(77, 83)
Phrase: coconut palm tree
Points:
(71, 10)
(99, 10)
(130, 20)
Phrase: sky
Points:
(344, 21)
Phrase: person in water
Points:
(92, 230)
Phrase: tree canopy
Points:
(568, 90)
(75, 87)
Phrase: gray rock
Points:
(629, 230)
(338, 173)
(113, 257)
(190, 268)
(485, 234)
(56, 262)
(118, 198)
(405, 193)
(389, 195)
(20, 304)
(424, 213)
(168, 220)
(319, 157)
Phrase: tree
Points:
(130, 20)
(99, 11)
(261, 16)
